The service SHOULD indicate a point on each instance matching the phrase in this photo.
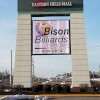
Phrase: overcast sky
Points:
(49, 65)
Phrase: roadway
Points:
(75, 98)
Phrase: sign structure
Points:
(51, 37)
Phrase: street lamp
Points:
(11, 80)
(33, 71)
(98, 46)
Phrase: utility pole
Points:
(33, 71)
(11, 71)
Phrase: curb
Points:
(62, 95)
(70, 95)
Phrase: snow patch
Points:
(16, 97)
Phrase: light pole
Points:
(33, 71)
(98, 46)
(11, 71)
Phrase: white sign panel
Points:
(51, 37)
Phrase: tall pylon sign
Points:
(50, 37)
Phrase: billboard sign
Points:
(51, 37)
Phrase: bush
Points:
(97, 86)
(83, 87)
(57, 88)
(18, 88)
(66, 88)
(1, 88)
(47, 88)
(37, 87)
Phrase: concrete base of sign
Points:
(23, 58)
(80, 71)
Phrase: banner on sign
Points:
(50, 37)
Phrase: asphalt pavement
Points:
(75, 98)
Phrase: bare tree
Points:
(5, 77)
